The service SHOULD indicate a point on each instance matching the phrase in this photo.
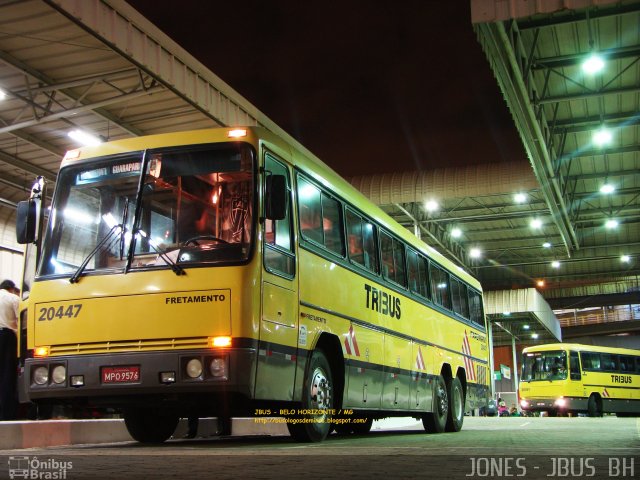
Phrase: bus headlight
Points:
(560, 402)
(194, 368)
(524, 404)
(218, 367)
(41, 375)
(59, 374)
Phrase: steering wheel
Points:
(195, 239)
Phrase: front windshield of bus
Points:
(193, 206)
(544, 366)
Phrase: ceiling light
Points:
(3, 95)
(475, 253)
(540, 283)
(506, 314)
(536, 223)
(431, 205)
(534, 335)
(555, 264)
(602, 137)
(546, 245)
(607, 188)
(593, 64)
(456, 233)
(625, 258)
(611, 223)
(520, 197)
(526, 327)
(84, 138)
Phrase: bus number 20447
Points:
(70, 311)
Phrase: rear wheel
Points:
(150, 425)
(436, 421)
(594, 406)
(317, 395)
(455, 418)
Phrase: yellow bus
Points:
(228, 273)
(571, 378)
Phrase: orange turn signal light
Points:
(41, 352)
(237, 133)
(220, 342)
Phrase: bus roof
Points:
(300, 157)
(580, 348)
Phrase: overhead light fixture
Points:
(534, 336)
(602, 137)
(431, 205)
(506, 314)
(607, 188)
(84, 138)
(625, 258)
(593, 64)
(540, 283)
(456, 232)
(526, 327)
(475, 253)
(555, 264)
(3, 95)
(546, 245)
(520, 197)
(536, 223)
(611, 224)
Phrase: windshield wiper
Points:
(115, 229)
(177, 269)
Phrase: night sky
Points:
(368, 86)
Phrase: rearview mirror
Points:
(26, 220)
(275, 198)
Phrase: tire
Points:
(150, 425)
(317, 393)
(594, 408)
(436, 421)
(455, 418)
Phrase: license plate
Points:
(129, 374)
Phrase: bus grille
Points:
(130, 346)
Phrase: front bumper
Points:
(564, 404)
(238, 378)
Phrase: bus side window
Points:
(574, 366)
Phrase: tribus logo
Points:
(34, 468)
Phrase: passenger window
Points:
(278, 244)
(310, 211)
(627, 364)
(440, 286)
(392, 259)
(332, 225)
(590, 360)
(574, 366)
(459, 297)
(361, 244)
(320, 217)
(476, 314)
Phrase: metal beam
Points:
(51, 83)
(587, 94)
(26, 166)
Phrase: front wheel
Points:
(436, 421)
(317, 396)
(456, 406)
(150, 425)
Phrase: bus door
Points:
(279, 314)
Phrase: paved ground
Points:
(486, 448)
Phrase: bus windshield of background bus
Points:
(195, 206)
(544, 366)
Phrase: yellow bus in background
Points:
(564, 377)
(227, 273)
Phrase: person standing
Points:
(9, 301)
